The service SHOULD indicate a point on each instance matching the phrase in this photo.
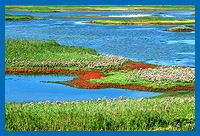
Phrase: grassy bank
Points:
(22, 17)
(148, 114)
(160, 77)
(57, 8)
(30, 54)
(180, 29)
(144, 21)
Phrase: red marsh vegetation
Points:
(81, 81)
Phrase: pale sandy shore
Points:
(131, 15)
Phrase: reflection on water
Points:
(187, 53)
(139, 43)
(30, 89)
(181, 41)
(165, 15)
(143, 28)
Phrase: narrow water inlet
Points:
(30, 89)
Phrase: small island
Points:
(22, 17)
(180, 29)
(143, 21)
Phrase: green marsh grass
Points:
(22, 17)
(160, 77)
(144, 114)
(49, 54)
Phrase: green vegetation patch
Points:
(57, 8)
(180, 29)
(30, 8)
(49, 54)
(148, 114)
(22, 17)
(160, 77)
(143, 21)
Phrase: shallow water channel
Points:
(149, 44)
(30, 89)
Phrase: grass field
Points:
(49, 54)
(58, 8)
(22, 17)
(160, 113)
(143, 21)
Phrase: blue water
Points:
(30, 89)
(148, 44)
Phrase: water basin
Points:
(30, 89)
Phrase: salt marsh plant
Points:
(147, 114)
(160, 77)
(49, 54)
